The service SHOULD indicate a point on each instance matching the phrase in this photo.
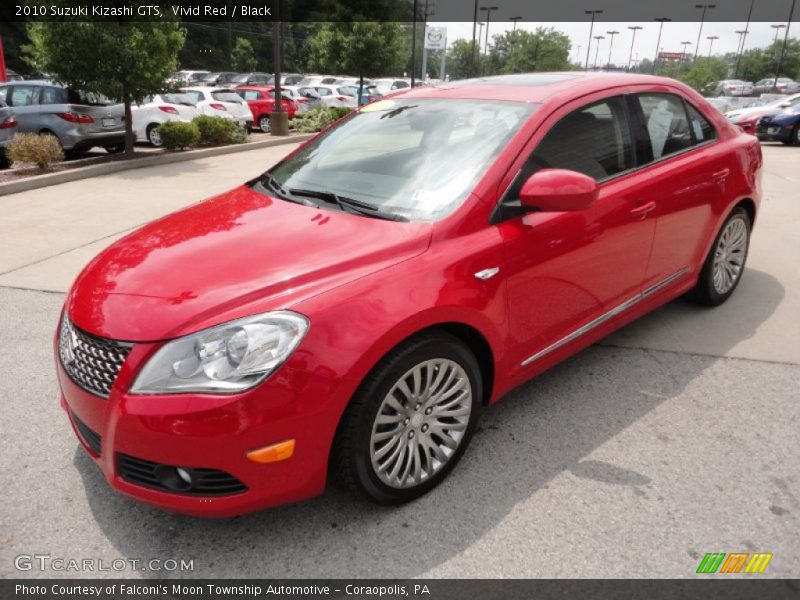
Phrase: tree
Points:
(459, 56)
(523, 51)
(366, 49)
(126, 61)
(243, 58)
(705, 71)
(761, 63)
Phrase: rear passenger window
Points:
(23, 95)
(3, 94)
(666, 123)
(702, 129)
(53, 95)
(594, 140)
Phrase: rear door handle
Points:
(721, 176)
(640, 212)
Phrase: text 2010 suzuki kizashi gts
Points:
(350, 311)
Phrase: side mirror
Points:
(558, 190)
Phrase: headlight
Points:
(227, 358)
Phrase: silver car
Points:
(79, 119)
(8, 127)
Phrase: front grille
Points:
(205, 482)
(90, 438)
(91, 362)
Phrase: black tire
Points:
(153, 137)
(264, 124)
(351, 460)
(705, 292)
(114, 148)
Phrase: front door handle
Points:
(640, 212)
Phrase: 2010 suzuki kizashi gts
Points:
(350, 311)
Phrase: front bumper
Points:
(211, 432)
(770, 132)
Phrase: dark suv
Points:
(79, 119)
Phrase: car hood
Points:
(237, 254)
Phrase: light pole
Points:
(597, 50)
(684, 44)
(633, 28)
(515, 19)
(591, 30)
(777, 29)
(711, 39)
(783, 50)
(705, 7)
(472, 54)
(488, 10)
(610, 46)
(744, 33)
(661, 20)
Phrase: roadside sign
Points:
(435, 38)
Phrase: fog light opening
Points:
(179, 479)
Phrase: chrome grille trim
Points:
(91, 362)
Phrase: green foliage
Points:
(458, 59)
(523, 51)
(705, 71)
(179, 135)
(124, 60)
(368, 49)
(243, 57)
(215, 131)
(318, 119)
(240, 136)
(762, 63)
(37, 149)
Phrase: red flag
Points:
(3, 73)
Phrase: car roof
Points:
(534, 87)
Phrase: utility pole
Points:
(591, 29)
(278, 118)
(515, 19)
(413, 45)
(661, 20)
(610, 46)
(702, 20)
(633, 28)
(684, 44)
(474, 29)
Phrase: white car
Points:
(387, 85)
(306, 98)
(333, 96)
(187, 77)
(158, 109)
(781, 103)
(220, 102)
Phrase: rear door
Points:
(685, 169)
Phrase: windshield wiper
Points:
(357, 206)
(268, 181)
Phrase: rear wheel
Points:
(264, 124)
(153, 136)
(411, 421)
(725, 262)
(114, 148)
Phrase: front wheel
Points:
(725, 262)
(264, 124)
(411, 420)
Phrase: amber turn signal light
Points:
(272, 453)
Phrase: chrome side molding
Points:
(620, 308)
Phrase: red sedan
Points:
(352, 310)
(261, 100)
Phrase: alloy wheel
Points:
(730, 255)
(420, 423)
(264, 124)
(154, 137)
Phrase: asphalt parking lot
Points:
(676, 436)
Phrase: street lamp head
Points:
(593, 12)
(662, 19)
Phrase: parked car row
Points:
(737, 87)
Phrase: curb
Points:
(40, 181)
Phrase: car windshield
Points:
(226, 96)
(416, 158)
